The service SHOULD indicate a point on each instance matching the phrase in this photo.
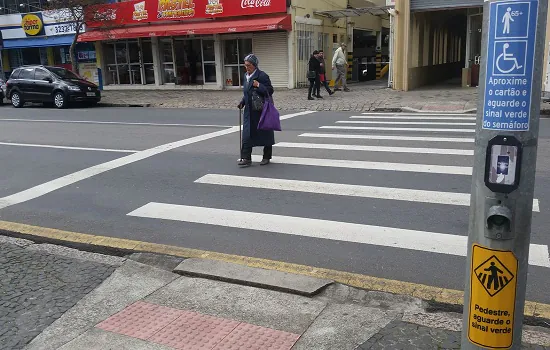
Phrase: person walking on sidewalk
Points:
(314, 69)
(340, 62)
(323, 74)
(256, 82)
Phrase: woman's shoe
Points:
(319, 96)
(244, 163)
(310, 98)
(265, 162)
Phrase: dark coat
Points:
(314, 65)
(322, 66)
(251, 135)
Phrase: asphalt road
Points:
(189, 191)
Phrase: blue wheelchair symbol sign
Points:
(510, 57)
(512, 20)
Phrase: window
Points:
(40, 74)
(27, 73)
(15, 74)
(63, 73)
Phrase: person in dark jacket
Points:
(258, 81)
(323, 74)
(314, 68)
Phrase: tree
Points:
(80, 12)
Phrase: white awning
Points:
(355, 12)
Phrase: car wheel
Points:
(59, 100)
(17, 100)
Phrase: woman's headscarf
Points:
(252, 59)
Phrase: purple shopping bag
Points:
(270, 117)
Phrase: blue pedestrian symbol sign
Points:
(510, 63)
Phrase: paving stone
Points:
(367, 96)
(37, 288)
(399, 335)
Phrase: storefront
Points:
(38, 38)
(190, 43)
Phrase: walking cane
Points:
(240, 132)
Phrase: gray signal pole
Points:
(504, 173)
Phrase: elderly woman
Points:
(258, 81)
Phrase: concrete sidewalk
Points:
(137, 302)
(364, 97)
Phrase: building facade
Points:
(437, 41)
(200, 44)
(42, 37)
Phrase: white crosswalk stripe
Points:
(390, 193)
(395, 129)
(333, 230)
(401, 123)
(363, 141)
(407, 117)
(388, 137)
(462, 152)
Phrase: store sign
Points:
(36, 24)
(148, 11)
(32, 24)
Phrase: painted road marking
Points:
(407, 117)
(112, 123)
(419, 114)
(401, 123)
(394, 129)
(69, 147)
(399, 194)
(462, 152)
(388, 137)
(355, 164)
(50, 186)
(315, 228)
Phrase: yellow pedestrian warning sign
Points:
(492, 297)
(493, 275)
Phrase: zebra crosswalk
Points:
(352, 149)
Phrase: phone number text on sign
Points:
(61, 29)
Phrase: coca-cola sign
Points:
(123, 13)
(255, 3)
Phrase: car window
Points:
(40, 74)
(26, 73)
(15, 74)
(63, 73)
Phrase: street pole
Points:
(504, 173)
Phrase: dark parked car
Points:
(49, 85)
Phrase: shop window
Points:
(234, 53)
(209, 57)
(129, 62)
(167, 58)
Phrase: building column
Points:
(218, 54)
(292, 61)
(401, 45)
(156, 60)
(99, 63)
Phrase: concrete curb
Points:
(139, 105)
(440, 298)
(252, 276)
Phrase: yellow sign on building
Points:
(32, 24)
(493, 284)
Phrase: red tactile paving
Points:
(186, 330)
(140, 320)
(193, 331)
(251, 337)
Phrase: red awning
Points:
(279, 22)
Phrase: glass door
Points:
(209, 61)
(235, 51)
(134, 59)
(167, 61)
